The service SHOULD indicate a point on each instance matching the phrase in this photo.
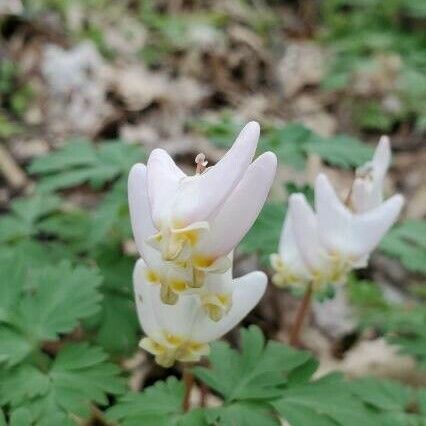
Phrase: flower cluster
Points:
(320, 246)
(186, 228)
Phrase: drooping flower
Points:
(321, 247)
(367, 189)
(194, 222)
(182, 332)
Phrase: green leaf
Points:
(242, 413)
(79, 161)
(111, 219)
(221, 132)
(382, 394)
(264, 235)
(80, 375)
(288, 143)
(14, 347)
(407, 242)
(158, 405)
(20, 417)
(395, 404)
(57, 298)
(12, 276)
(326, 402)
(258, 373)
(341, 151)
(23, 383)
(25, 216)
(71, 227)
(116, 324)
(118, 327)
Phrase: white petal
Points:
(355, 235)
(334, 218)
(248, 291)
(363, 197)
(139, 207)
(241, 208)
(288, 248)
(220, 282)
(201, 198)
(382, 157)
(163, 180)
(145, 302)
(370, 227)
(157, 318)
(305, 226)
(367, 189)
(179, 319)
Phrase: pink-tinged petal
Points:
(202, 197)
(163, 178)
(370, 227)
(140, 214)
(241, 208)
(304, 223)
(145, 301)
(334, 218)
(249, 289)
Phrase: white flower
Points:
(367, 189)
(195, 222)
(321, 247)
(289, 265)
(334, 240)
(182, 332)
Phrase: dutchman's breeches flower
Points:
(186, 227)
(182, 332)
(321, 247)
(367, 189)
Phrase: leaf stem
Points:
(188, 380)
(301, 314)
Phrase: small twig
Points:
(301, 313)
(188, 380)
(11, 170)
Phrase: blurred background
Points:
(88, 88)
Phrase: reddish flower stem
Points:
(188, 380)
(301, 314)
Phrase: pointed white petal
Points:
(363, 197)
(140, 214)
(367, 189)
(382, 157)
(201, 198)
(289, 250)
(370, 227)
(248, 291)
(145, 302)
(334, 218)
(305, 226)
(241, 208)
(163, 178)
